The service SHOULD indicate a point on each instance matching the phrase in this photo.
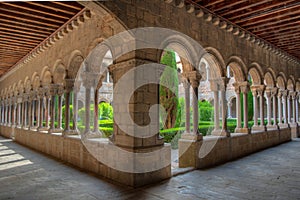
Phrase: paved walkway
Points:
(270, 174)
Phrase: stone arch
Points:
(46, 76)
(75, 61)
(59, 72)
(297, 86)
(102, 99)
(215, 61)
(290, 84)
(20, 87)
(283, 76)
(92, 45)
(256, 73)
(280, 82)
(183, 47)
(35, 81)
(238, 67)
(27, 84)
(269, 80)
(271, 70)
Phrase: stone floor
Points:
(270, 174)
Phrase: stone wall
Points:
(71, 150)
(239, 145)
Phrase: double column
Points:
(242, 87)
(192, 79)
(271, 105)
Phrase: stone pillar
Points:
(96, 111)
(297, 107)
(289, 99)
(9, 112)
(59, 120)
(279, 97)
(238, 107)
(216, 113)
(47, 110)
(294, 107)
(41, 110)
(255, 107)
(269, 107)
(245, 90)
(24, 113)
(186, 86)
(75, 107)
(14, 123)
(69, 83)
(284, 102)
(262, 126)
(53, 92)
(29, 111)
(275, 108)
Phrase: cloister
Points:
(106, 53)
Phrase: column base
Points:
(92, 134)
(70, 132)
(258, 128)
(55, 130)
(188, 151)
(43, 129)
(191, 136)
(242, 130)
(272, 127)
(220, 133)
(281, 126)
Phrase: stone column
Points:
(229, 105)
(9, 112)
(53, 92)
(75, 107)
(261, 105)
(29, 111)
(269, 107)
(96, 111)
(245, 90)
(223, 87)
(289, 99)
(186, 86)
(275, 108)
(24, 113)
(285, 110)
(297, 107)
(255, 107)
(14, 123)
(279, 97)
(41, 110)
(238, 107)
(195, 78)
(59, 120)
(216, 113)
(294, 107)
(69, 83)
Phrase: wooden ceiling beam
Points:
(17, 40)
(278, 34)
(33, 16)
(244, 7)
(24, 7)
(16, 43)
(21, 36)
(11, 30)
(14, 17)
(68, 5)
(265, 19)
(211, 3)
(283, 30)
(229, 5)
(23, 24)
(22, 28)
(279, 3)
(51, 7)
(281, 27)
(267, 13)
(12, 49)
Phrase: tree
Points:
(169, 96)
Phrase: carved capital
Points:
(69, 84)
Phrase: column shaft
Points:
(216, 110)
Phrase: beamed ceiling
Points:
(24, 25)
(276, 21)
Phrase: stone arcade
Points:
(29, 91)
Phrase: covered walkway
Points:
(271, 174)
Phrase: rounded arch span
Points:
(35, 81)
(103, 100)
(59, 72)
(280, 82)
(238, 67)
(215, 61)
(256, 73)
(74, 63)
(269, 80)
(271, 70)
(283, 76)
(27, 84)
(291, 84)
(297, 86)
(46, 76)
(183, 47)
